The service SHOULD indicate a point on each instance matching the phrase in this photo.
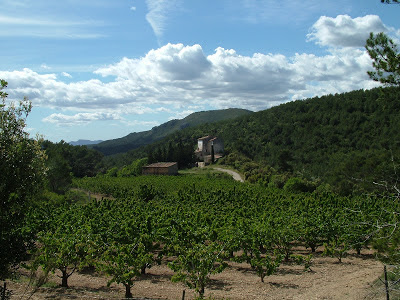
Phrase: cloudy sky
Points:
(101, 69)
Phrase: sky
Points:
(101, 69)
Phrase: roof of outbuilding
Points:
(161, 165)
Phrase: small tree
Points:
(61, 251)
(212, 154)
(124, 262)
(194, 265)
(265, 265)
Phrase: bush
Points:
(298, 185)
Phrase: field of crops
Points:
(198, 224)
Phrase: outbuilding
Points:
(161, 168)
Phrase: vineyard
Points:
(197, 226)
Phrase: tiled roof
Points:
(161, 165)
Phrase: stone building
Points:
(161, 168)
(205, 146)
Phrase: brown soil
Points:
(354, 278)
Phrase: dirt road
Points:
(234, 174)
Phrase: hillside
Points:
(333, 138)
(138, 139)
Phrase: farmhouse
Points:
(205, 147)
(161, 168)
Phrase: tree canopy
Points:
(386, 59)
(22, 171)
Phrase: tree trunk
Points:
(64, 278)
(128, 293)
(201, 292)
(143, 270)
(287, 255)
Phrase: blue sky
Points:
(101, 69)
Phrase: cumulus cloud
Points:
(176, 77)
(344, 31)
(170, 62)
(79, 119)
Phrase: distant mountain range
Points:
(137, 139)
(84, 142)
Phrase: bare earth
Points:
(354, 278)
(234, 174)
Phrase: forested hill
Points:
(333, 138)
(138, 139)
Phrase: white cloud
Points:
(170, 62)
(176, 78)
(141, 123)
(344, 31)
(48, 27)
(65, 74)
(7, 20)
(79, 119)
(181, 115)
(158, 14)
(45, 67)
(133, 8)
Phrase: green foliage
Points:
(197, 222)
(194, 265)
(390, 1)
(278, 181)
(65, 160)
(134, 169)
(336, 248)
(265, 265)
(59, 174)
(63, 239)
(298, 185)
(302, 259)
(315, 139)
(61, 251)
(174, 150)
(386, 59)
(21, 176)
(123, 262)
(112, 172)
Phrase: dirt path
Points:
(234, 174)
(355, 278)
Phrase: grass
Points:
(206, 172)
